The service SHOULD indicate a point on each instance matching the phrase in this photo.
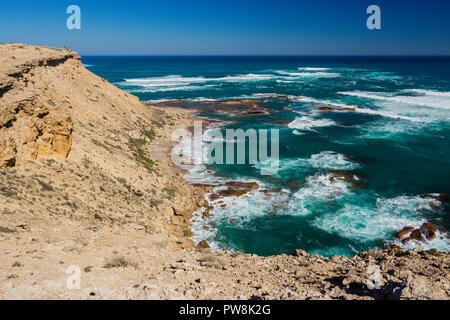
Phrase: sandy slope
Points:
(86, 181)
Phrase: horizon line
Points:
(272, 55)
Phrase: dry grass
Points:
(119, 262)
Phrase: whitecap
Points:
(326, 160)
(173, 88)
(427, 98)
(178, 81)
(366, 223)
(239, 209)
(332, 161)
(313, 69)
(309, 74)
(318, 188)
(325, 102)
(307, 123)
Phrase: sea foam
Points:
(427, 98)
(318, 188)
(332, 161)
(307, 123)
(313, 69)
(177, 82)
(310, 74)
(380, 222)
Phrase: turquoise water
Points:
(395, 143)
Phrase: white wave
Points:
(156, 101)
(194, 157)
(392, 113)
(383, 128)
(321, 75)
(249, 77)
(426, 98)
(375, 223)
(325, 102)
(170, 100)
(256, 96)
(174, 88)
(331, 160)
(429, 92)
(242, 209)
(287, 81)
(441, 242)
(177, 80)
(309, 74)
(269, 96)
(318, 188)
(202, 230)
(313, 69)
(239, 210)
(326, 160)
(307, 123)
(166, 81)
(386, 108)
(386, 111)
(198, 99)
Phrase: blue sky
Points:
(232, 27)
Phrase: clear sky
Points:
(232, 27)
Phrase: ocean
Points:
(364, 146)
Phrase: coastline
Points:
(102, 194)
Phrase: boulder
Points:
(393, 247)
(429, 231)
(415, 235)
(404, 232)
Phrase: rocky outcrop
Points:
(405, 231)
(33, 123)
(334, 109)
(54, 137)
(233, 189)
(353, 181)
(427, 232)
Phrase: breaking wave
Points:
(307, 123)
(366, 223)
(426, 98)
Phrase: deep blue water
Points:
(395, 144)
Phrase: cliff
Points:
(87, 181)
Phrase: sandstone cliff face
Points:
(31, 124)
(86, 180)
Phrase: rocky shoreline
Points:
(87, 181)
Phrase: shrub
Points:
(119, 262)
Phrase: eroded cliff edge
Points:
(86, 180)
